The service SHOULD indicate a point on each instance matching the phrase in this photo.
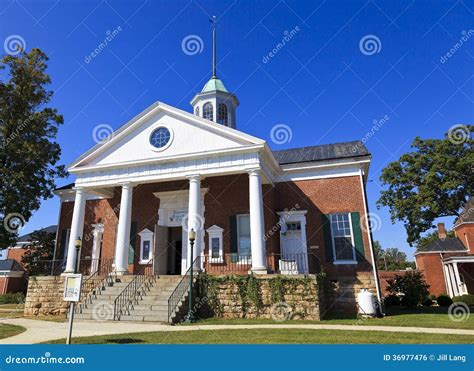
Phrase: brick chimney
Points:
(442, 234)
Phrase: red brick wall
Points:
(229, 195)
(325, 196)
(12, 285)
(465, 232)
(384, 276)
(430, 264)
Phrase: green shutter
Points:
(133, 238)
(359, 242)
(233, 237)
(326, 221)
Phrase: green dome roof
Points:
(214, 84)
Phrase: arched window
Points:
(196, 111)
(222, 115)
(208, 112)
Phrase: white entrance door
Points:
(160, 257)
(96, 247)
(294, 257)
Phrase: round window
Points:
(160, 137)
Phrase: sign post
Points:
(72, 293)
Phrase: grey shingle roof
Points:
(467, 215)
(320, 153)
(10, 265)
(27, 237)
(448, 244)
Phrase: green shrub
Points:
(392, 300)
(17, 298)
(444, 300)
(466, 299)
(413, 287)
(432, 297)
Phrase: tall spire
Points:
(213, 20)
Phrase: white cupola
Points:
(214, 102)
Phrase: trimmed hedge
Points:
(392, 300)
(466, 299)
(444, 300)
(17, 298)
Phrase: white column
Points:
(454, 284)
(257, 225)
(447, 280)
(77, 226)
(96, 246)
(194, 217)
(460, 285)
(123, 230)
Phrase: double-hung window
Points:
(342, 238)
(146, 246)
(216, 246)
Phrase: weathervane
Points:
(213, 20)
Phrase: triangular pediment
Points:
(189, 135)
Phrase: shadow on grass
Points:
(124, 341)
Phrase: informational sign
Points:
(72, 287)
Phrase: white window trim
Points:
(146, 235)
(247, 258)
(216, 232)
(340, 262)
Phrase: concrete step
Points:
(140, 318)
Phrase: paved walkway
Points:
(38, 331)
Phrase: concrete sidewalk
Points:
(38, 331)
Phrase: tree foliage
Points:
(39, 253)
(390, 259)
(411, 286)
(28, 151)
(432, 181)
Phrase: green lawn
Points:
(10, 330)
(273, 336)
(417, 317)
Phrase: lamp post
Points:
(192, 238)
(78, 244)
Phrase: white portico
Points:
(190, 149)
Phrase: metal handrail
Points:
(134, 291)
(181, 289)
(95, 283)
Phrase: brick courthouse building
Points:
(166, 171)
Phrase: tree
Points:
(28, 151)
(411, 285)
(432, 181)
(424, 241)
(37, 260)
(391, 259)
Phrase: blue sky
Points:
(322, 83)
